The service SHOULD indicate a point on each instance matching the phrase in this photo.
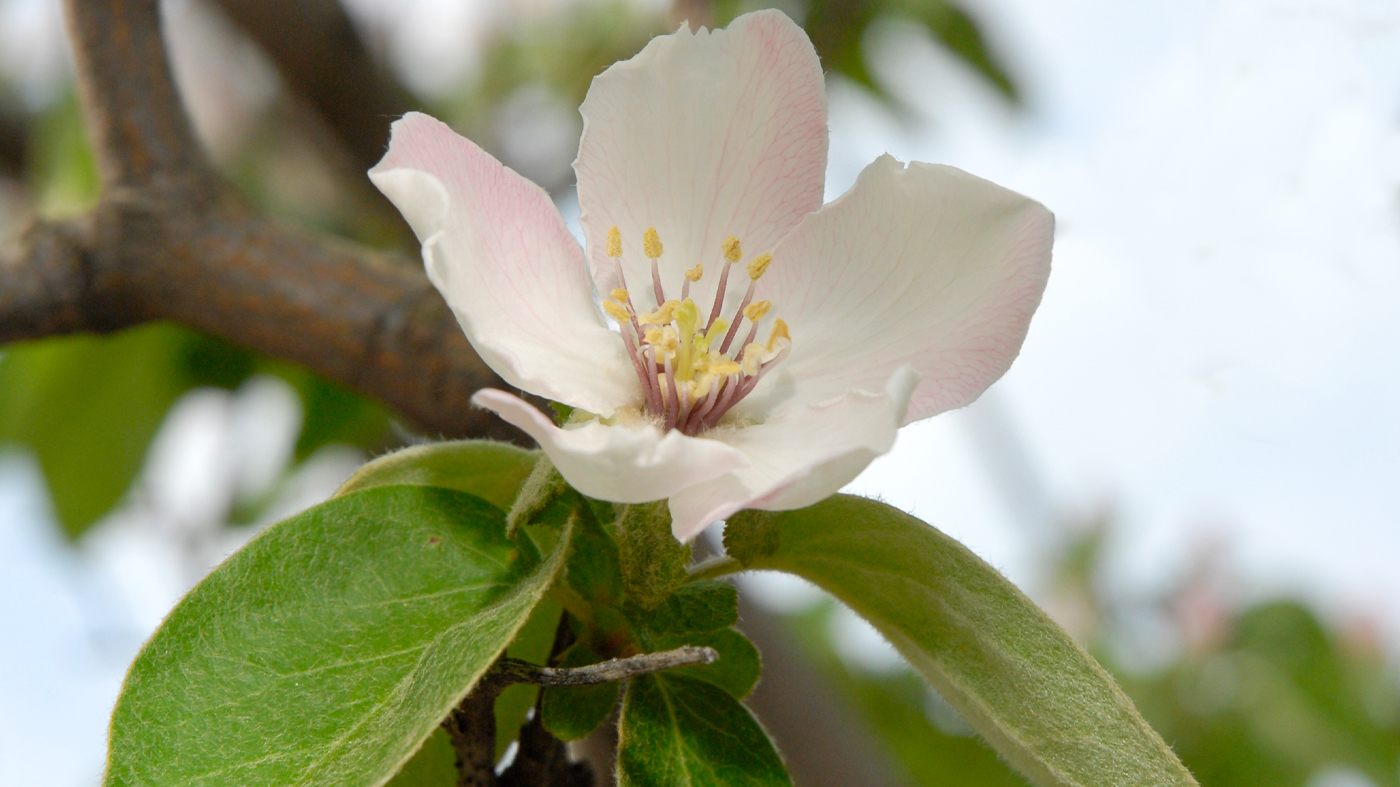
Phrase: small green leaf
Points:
(330, 647)
(570, 713)
(709, 605)
(653, 561)
(1011, 672)
(681, 731)
(492, 471)
(739, 664)
(594, 570)
(544, 498)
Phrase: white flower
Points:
(700, 158)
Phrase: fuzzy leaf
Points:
(330, 647)
(492, 471)
(682, 732)
(708, 605)
(652, 560)
(1012, 673)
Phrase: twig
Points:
(513, 671)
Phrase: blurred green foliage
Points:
(88, 406)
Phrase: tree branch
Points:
(323, 59)
(139, 130)
(472, 729)
(510, 671)
(170, 240)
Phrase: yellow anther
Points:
(614, 241)
(694, 273)
(651, 243)
(780, 333)
(732, 251)
(758, 265)
(616, 311)
(725, 369)
(663, 314)
(620, 295)
(753, 357)
(754, 311)
(651, 335)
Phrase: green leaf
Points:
(88, 406)
(492, 471)
(594, 570)
(681, 731)
(653, 561)
(1011, 672)
(570, 713)
(330, 646)
(708, 605)
(739, 664)
(545, 498)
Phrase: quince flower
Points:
(767, 347)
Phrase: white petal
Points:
(498, 250)
(928, 266)
(799, 457)
(702, 136)
(624, 464)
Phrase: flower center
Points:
(691, 369)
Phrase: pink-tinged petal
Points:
(498, 251)
(702, 136)
(799, 457)
(624, 464)
(928, 266)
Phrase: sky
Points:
(1215, 359)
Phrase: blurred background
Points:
(1194, 465)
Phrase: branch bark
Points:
(323, 58)
(170, 240)
(514, 671)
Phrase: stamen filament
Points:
(656, 283)
(733, 329)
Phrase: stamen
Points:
(732, 254)
(651, 246)
(614, 242)
(691, 275)
(672, 408)
(687, 383)
(616, 311)
(663, 315)
(733, 251)
(758, 265)
(753, 311)
(651, 243)
(780, 333)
